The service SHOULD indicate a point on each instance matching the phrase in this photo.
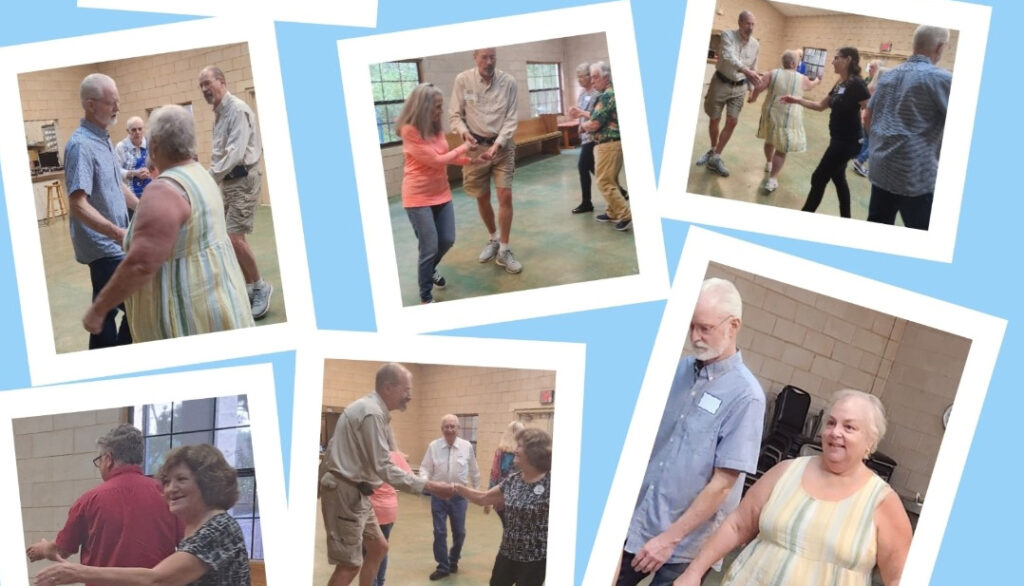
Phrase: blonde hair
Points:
(508, 439)
(417, 111)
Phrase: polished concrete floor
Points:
(554, 246)
(744, 158)
(411, 558)
(70, 291)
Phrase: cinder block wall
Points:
(492, 393)
(54, 459)
(441, 70)
(768, 28)
(143, 83)
(821, 345)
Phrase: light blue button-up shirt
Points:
(90, 166)
(713, 419)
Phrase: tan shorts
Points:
(724, 96)
(349, 521)
(476, 179)
(241, 196)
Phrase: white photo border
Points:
(567, 360)
(937, 243)
(615, 20)
(331, 12)
(46, 366)
(255, 381)
(703, 246)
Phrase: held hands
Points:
(440, 490)
(753, 76)
(487, 509)
(653, 554)
(92, 322)
(577, 113)
(468, 138)
(142, 173)
(63, 572)
(41, 550)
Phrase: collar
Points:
(918, 58)
(128, 141)
(124, 469)
(223, 101)
(718, 368)
(481, 79)
(379, 400)
(93, 128)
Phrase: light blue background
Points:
(982, 538)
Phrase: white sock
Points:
(249, 287)
(494, 236)
(502, 247)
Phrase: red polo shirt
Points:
(123, 522)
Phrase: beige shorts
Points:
(476, 179)
(241, 196)
(724, 96)
(349, 520)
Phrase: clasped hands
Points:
(443, 490)
(482, 157)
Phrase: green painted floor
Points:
(70, 291)
(744, 158)
(555, 246)
(411, 558)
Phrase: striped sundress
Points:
(782, 125)
(200, 289)
(808, 542)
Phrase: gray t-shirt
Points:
(90, 166)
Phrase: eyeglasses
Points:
(107, 102)
(704, 330)
(96, 460)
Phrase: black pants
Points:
(916, 210)
(507, 572)
(832, 168)
(100, 271)
(586, 169)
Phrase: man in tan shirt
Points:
(356, 463)
(484, 111)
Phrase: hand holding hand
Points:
(490, 153)
(577, 113)
(92, 322)
(468, 138)
(753, 76)
(440, 490)
(142, 173)
(653, 554)
(487, 509)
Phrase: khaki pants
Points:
(607, 165)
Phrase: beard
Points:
(704, 353)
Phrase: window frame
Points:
(382, 124)
(475, 420)
(557, 89)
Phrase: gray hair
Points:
(389, 374)
(927, 38)
(128, 123)
(418, 110)
(172, 133)
(93, 85)
(790, 59)
(583, 69)
(123, 443)
(217, 73)
(876, 413)
(724, 295)
(602, 68)
(745, 15)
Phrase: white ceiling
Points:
(788, 10)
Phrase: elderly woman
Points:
(200, 487)
(502, 465)
(782, 124)
(525, 494)
(846, 99)
(179, 276)
(426, 194)
(824, 519)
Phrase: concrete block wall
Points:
(792, 336)
(144, 83)
(494, 394)
(767, 30)
(441, 70)
(54, 460)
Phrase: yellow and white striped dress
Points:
(200, 289)
(808, 542)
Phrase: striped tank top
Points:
(803, 541)
(200, 289)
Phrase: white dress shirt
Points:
(455, 463)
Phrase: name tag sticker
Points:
(710, 403)
(841, 90)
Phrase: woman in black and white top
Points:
(526, 494)
(200, 486)
(846, 99)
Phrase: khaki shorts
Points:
(476, 179)
(724, 96)
(349, 521)
(240, 199)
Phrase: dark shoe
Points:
(625, 194)
(604, 218)
(453, 568)
(583, 208)
(437, 575)
(624, 225)
(439, 281)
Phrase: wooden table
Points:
(570, 132)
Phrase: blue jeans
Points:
(100, 271)
(435, 229)
(863, 154)
(455, 509)
(386, 530)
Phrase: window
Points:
(544, 81)
(392, 83)
(814, 62)
(467, 427)
(222, 422)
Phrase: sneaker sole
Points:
(625, 228)
(267, 310)
(507, 269)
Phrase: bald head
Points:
(394, 385)
(212, 84)
(450, 428)
(746, 22)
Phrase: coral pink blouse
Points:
(425, 182)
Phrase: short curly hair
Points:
(123, 443)
(536, 444)
(217, 480)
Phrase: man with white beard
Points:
(709, 437)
